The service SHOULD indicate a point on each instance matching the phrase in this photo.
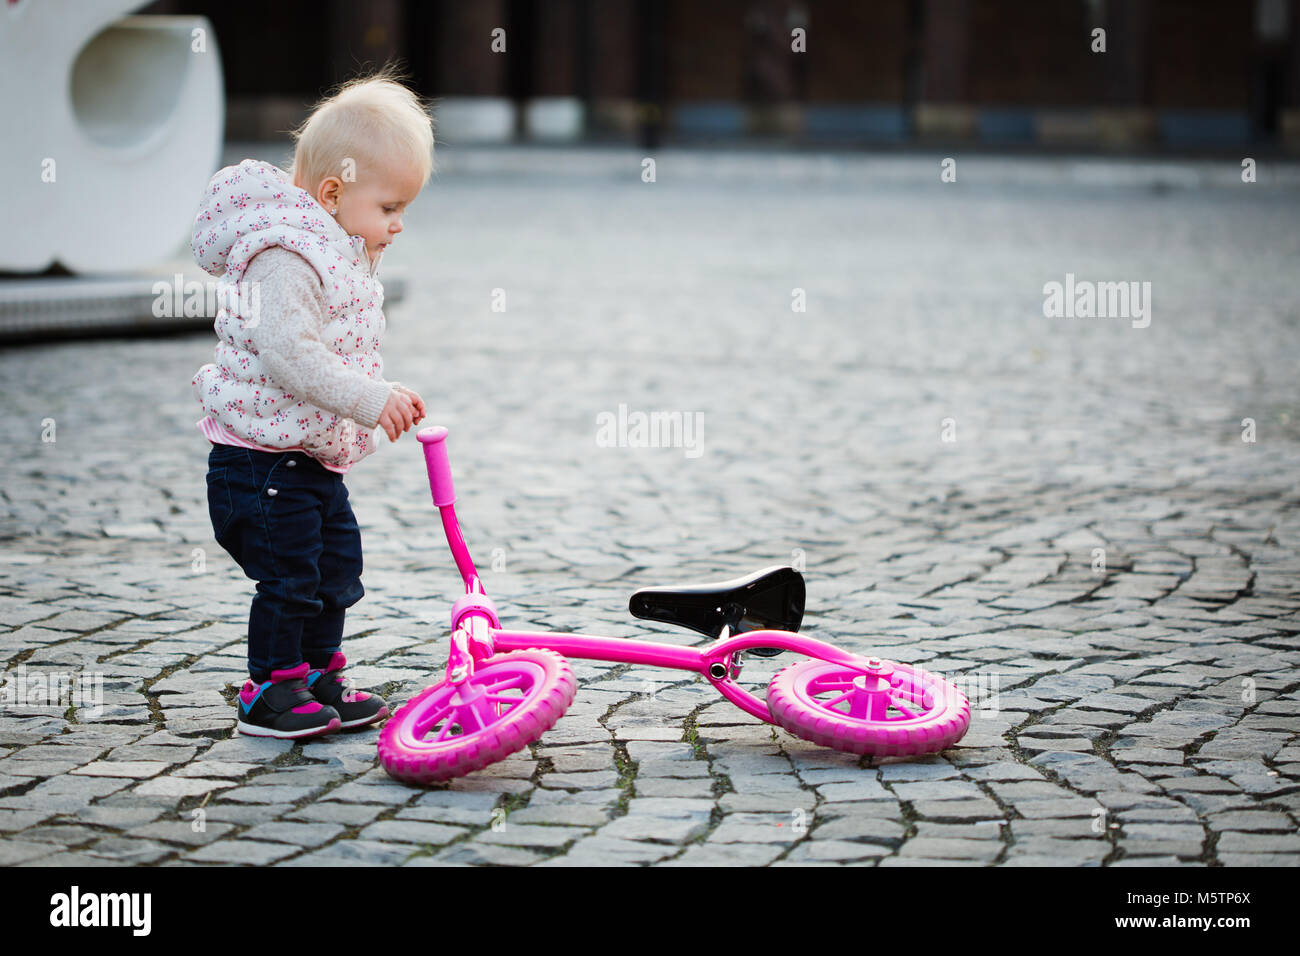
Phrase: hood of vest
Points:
(245, 204)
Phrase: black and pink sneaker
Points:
(284, 707)
(356, 708)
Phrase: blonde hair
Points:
(375, 121)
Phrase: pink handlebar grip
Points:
(434, 439)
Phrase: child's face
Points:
(372, 206)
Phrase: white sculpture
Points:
(111, 128)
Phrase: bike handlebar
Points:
(434, 439)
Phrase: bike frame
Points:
(476, 632)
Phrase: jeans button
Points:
(272, 492)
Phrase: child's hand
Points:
(398, 414)
(416, 400)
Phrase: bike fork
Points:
(470, 642)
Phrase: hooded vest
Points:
(246, 209)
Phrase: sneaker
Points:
(356, 708)
(284, 707)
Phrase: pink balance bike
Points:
(504, 689)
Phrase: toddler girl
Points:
(295, 389)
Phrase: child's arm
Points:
(287, 339)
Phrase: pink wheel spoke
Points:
(502, 699)
(461, 717)
(838, 700)
(428, 723)
(900, 708)
(919, 698)
(505, 683)
(825, 685)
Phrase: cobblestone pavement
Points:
(1099, 555)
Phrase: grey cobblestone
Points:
(411, 831)
(127, 850)
(1252, 820)
(479, 854)
(601, 850)
(18, 851)
(844, 792)
(353, 853)
(178, 831)
(731, 854)
(299, 834)
(349, 815)
(250, 852)
(835, 851)
(578, 816)
(529, 835)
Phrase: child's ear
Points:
(331, 189)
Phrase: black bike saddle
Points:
(771, 599)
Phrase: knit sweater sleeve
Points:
(287, 337)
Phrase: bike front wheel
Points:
(893, 710)
(449, 730)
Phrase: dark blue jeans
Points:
(286, 520)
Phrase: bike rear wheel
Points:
(449, 730)
(894, 710)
